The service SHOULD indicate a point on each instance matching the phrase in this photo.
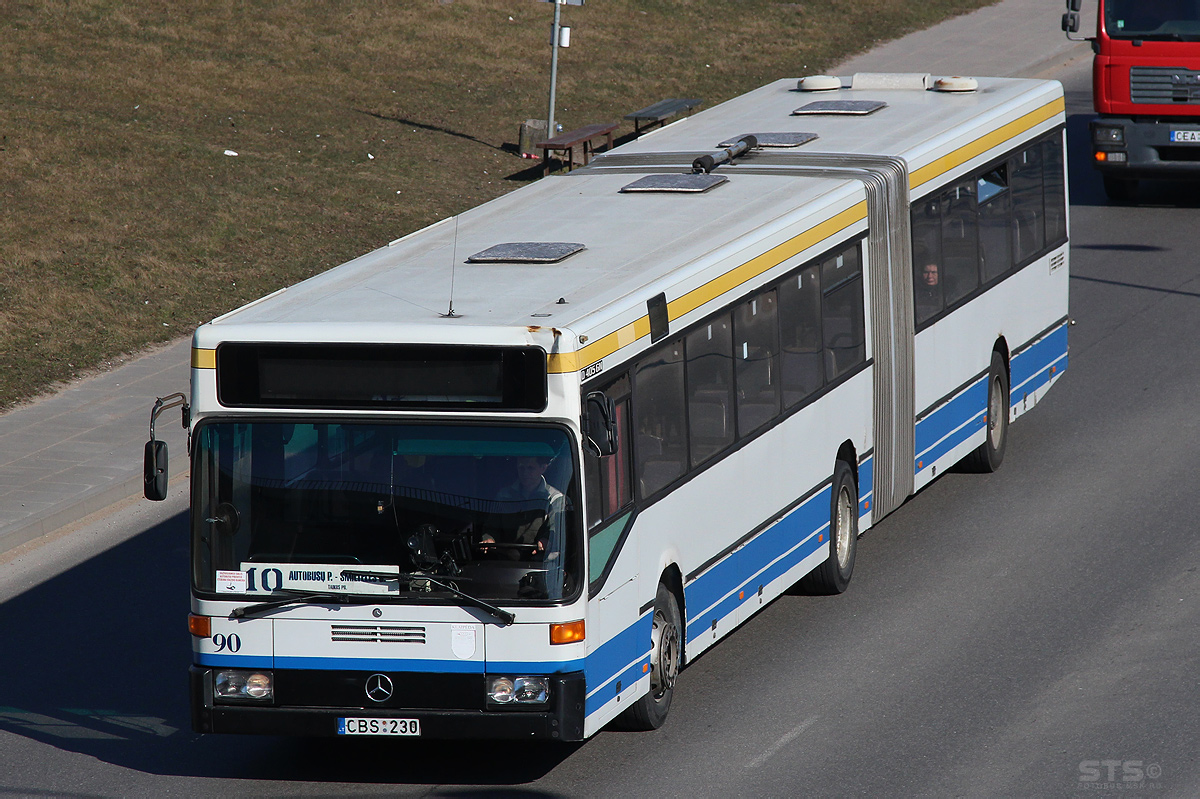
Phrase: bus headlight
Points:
(516, 691)
(244, 685)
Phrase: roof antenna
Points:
(450, 314)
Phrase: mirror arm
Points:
(168, 402)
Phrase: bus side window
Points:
(995, 214)
(609, 486)
(801, 363)
(1055, 189)
(710, 388)
(960, 242)
(1029, 217)
(756, 331)
(927, 258)
(842, 313)
(660, 440)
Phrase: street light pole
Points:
(550, 130)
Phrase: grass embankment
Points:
(124, 222)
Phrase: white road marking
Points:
(782, 742)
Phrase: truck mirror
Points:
(600, 424)
(155, 470)
(1070, 22)
(1074, 5)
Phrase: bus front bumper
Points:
(561, 720)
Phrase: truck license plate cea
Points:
(1186, 136)
(379, 727)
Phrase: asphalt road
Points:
(1027, 633)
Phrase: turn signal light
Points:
(568, 633)
(199, 626)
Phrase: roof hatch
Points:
(691, 183)
(526, 252)
(840, 107)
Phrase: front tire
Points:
(833, 576)
(666, 657)
(988, 456)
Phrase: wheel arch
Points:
(672, 578)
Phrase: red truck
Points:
(1146, 90)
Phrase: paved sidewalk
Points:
(79, 451)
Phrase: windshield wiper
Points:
(303, 598)
(503, 615)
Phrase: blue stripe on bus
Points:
(621, 658)
(866, 482)
(714, 595)
(1029, 366)
(234, 661)
(952, 423)
(964, 415)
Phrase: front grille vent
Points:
(376, 634)
(1164, 85)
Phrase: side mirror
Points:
(1074, 5)
(155, 470)
(1070, 22)
(600, 424)
(154, 463)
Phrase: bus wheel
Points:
(666, 656)
(833, 576)
(988, 456)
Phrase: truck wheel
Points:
(1120, 190)
(833, 576)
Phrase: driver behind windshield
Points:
(531, 512)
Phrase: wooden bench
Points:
(660, 112)
(580, 137)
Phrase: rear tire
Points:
(988, 456)
(666, 657)
(833, 576)
(1120, 190)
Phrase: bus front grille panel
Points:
(347, 689)
(1164, 85)
(377, 634)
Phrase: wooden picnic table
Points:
(580, 137)
(660, 112)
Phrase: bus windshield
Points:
(1168, 20)
(491, 510)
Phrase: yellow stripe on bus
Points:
(565, 362)
(559, 363)
(985, 143)
(204, 359)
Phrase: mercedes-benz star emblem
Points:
(379, 688)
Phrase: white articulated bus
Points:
(505, 476)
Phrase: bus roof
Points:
(637, 245)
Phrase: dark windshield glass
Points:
(1152, 19)
(491, 507)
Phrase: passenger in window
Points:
(928, 289)
(531, 510)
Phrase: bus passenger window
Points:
(756, 328)
(1029, 235)
(609, 488)
(660, 448)
(842, 313)
(960, 243)
(800, 335)
(927, 259)
(1056, 190)
(710, 388)
(995, 213)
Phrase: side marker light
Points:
(567, 633)
(199, 626)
